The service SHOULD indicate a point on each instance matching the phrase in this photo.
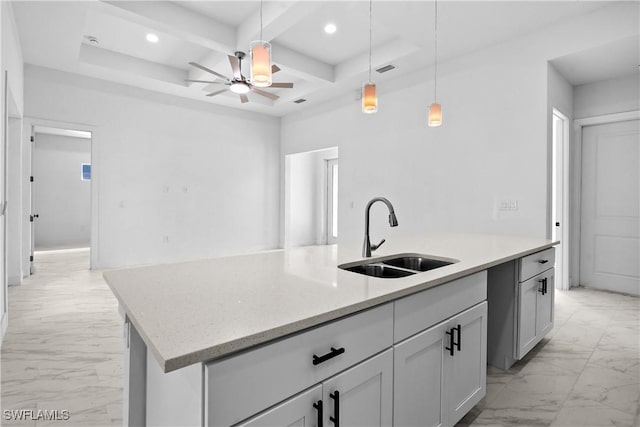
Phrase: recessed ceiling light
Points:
(152, 38)
(330, 28)
(93, 40)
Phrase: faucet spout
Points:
(367, 247)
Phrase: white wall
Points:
(177, 179)
(492, 147)
(305, 197)
(61, 199)
(607, 97)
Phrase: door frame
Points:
(564, 183)
(576, 178)
(29, 124)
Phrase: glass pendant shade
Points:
(435, 115)
(260, 63)
(369, 98)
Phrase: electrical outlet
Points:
(508, 205)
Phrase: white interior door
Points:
(610, 208)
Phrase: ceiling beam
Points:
(277, 17)
(178, 21)
(382, 55)
(131, 65)
(300, 65)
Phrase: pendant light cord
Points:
(435, 53)
(260, 20)
(370, 34)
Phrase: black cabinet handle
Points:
(543, 289)
(451, 341)
(318, 406)
(336, 408)
(543, 261)
(455, 345)
(333, 353)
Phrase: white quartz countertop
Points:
(195, 311)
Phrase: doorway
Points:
(311, 190)
(60, 190)
(610, 203)
(560, 196)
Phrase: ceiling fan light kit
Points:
(261, 63)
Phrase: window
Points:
(85, 174)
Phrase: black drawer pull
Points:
(318, 406)
(543, 261)
(336, 408)
(333, 353)
(451, 348)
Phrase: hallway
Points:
(63, 348)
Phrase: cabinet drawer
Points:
(417, 312)
(242, 385)
(536, 263)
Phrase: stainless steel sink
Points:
(395, 266)
(416, 263)
(379, 270)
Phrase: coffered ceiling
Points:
(58, 35)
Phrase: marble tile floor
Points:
(585, 373)
(63, 351)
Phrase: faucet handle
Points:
(374, 247)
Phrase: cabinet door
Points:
(545, 306)
(527, 315)
(417, 377)
(364, 394)
(295, 412)
(466, 370)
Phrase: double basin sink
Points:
(396, 266)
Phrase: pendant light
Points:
(369, 98)
(435, 109)
(260, 53)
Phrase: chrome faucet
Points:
(393, 222)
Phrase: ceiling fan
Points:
(239, 83)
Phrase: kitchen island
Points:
(234, 340)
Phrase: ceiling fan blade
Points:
(274, 68)
(216, 93)
(208, 70)
(244, 98)
(205, 81)
(235, 66)
(263, 93)
(284, 85)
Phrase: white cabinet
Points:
(359, 396)
(521, 296)
(440, 374)
(299, 411)
(362, 395)
(535, 304)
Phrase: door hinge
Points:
(31, 258)
(31, 139)
(31, 179)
